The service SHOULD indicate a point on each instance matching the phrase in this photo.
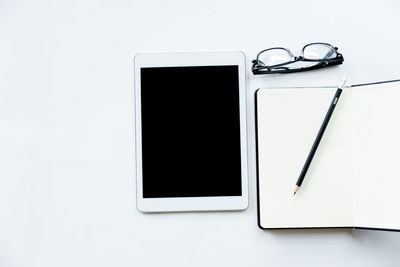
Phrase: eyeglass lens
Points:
(274, 57)
(319, 51)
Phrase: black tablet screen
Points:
(190, 131)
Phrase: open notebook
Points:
(354, 178)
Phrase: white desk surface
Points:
(67, 185)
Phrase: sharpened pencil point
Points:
(296, 189)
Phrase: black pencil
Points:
(319, 136)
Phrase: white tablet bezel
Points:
(191, 203)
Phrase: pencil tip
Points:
(296, 189)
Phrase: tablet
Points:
(190, 128)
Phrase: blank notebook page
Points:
(288, 121)
(376, 155)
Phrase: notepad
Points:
(354, 178)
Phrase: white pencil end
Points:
(344, 80)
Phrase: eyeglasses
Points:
(281, 60)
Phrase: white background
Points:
(67, 185)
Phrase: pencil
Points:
(319, 136)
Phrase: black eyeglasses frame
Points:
(280, 68)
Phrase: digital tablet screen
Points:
(190, 131)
